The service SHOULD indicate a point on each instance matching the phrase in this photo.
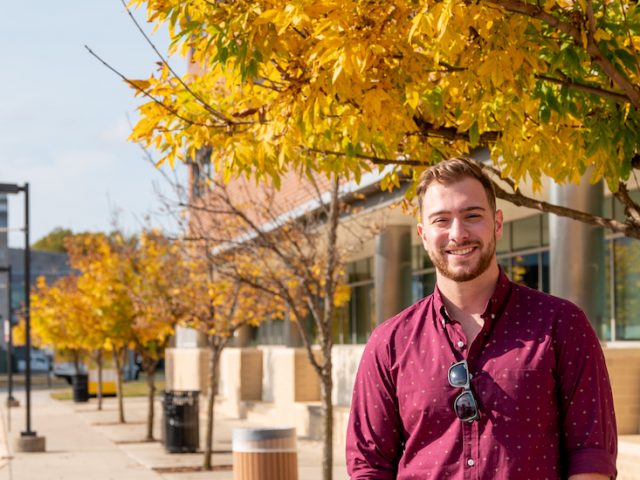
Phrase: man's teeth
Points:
(464, 251)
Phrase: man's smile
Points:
(460, 251)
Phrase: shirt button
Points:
(470, 462)
(460, 344)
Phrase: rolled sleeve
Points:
(374, 438)
(592, 460)
(589, 435)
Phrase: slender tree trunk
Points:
(330, 282)
(150, 371)
(118, 362)
(99, 363)
(214, 351)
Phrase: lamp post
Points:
(28, 440)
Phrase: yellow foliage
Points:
(416, 80)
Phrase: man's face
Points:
(459, 229)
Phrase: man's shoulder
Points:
(529, 297)
(405, 320)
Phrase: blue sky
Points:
(64, 118)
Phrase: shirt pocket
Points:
(518, 395)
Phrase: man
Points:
(483, 379)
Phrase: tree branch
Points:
(147, 94)
(199, 99)
(631, 208)
(597, 56)
(618, 97)
(427, 129)
(518, 199)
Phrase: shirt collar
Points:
(494, 307)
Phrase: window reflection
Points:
(627, 286)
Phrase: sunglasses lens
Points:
(465, 406)
(458, 375)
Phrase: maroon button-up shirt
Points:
(539, 377)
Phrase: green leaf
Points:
(544, 112)
(474, 134)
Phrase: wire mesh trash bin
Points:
(180, 429)
(80, 385)
(264, 454)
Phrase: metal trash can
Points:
(80, 385)
(180, 429)
(265, 454)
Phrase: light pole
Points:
(28, 440)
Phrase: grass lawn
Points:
(137, 388)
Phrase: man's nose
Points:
(458, 231)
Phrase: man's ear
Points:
(499, 224)
(420, 231)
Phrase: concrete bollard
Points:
(265, 454)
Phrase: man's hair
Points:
(453, 171)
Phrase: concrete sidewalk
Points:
(82, 442)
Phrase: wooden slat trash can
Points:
(265, 454)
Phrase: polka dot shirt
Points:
(537, 372)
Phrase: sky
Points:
(65, 118)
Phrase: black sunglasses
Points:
(465, 405)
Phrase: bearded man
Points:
(485, 378)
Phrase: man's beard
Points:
(439, 260)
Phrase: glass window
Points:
(525, 270)
(605, 327)
(420, 259)
(545, 229)
(546, 283)
(422, 285)
(505, 263)
(360, 270)
(362, 313)
(627, 281)
(340, 325)
(526, 232)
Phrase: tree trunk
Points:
(326, 340)
(214, 351)
(118, 362)
(150, 372)
(99, 363)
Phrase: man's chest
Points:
(512, 377)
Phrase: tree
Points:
(105, 281)
(297, 262)
(218, 305)
(53, 241)
(550, 88)
(159, 276)
(58, 317)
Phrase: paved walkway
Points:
(83, 443)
